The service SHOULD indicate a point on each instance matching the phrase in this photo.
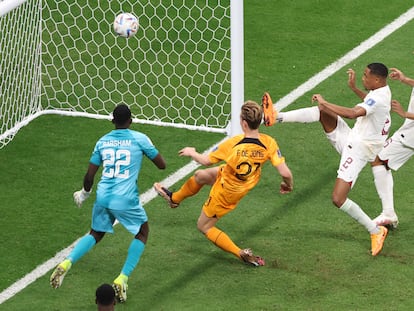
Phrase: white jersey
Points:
(406, 131)
(370, 131)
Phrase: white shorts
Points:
(350, 165)
(395, 153)
(339, 137)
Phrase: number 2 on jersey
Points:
(114, 163)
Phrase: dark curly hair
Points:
(121, 114)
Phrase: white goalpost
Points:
(183, 68)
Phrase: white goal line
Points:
(345, 60)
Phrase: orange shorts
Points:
(221, 200)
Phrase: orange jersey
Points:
(244, 159)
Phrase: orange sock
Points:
(223, 241)
(190, 188)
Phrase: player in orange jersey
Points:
(243, 156)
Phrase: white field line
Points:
(44, 268)
(346, 59)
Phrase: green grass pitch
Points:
(317, 258)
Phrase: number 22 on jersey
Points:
(115, 163)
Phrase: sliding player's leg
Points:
(191, 187)
(212, 211)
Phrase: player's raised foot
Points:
(389, 221)
(377, 240)
(59, 273)
(166, 194)
(120, 286)
(269, 112)
(247, 256)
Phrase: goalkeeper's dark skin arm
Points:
(89, 177)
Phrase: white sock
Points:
(384, 184)
(353, 210)
(303, 115)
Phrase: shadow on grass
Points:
(294, 203)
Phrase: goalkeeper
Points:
(120, 153)
(244, 155)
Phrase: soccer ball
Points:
(126, 25)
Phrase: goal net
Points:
(63, 57)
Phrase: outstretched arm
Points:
(397, 108)
(345, 112)
(286, 184)
(203, 159)
(159, 162)
(397, 74)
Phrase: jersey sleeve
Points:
(276, 157)
(96, 157)
(221, 152)
(369, 103)
(147, 146)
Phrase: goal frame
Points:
(236, 82)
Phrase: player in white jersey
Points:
(397, 150)
(358, 145)
(120, 153)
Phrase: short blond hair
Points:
(252, 113)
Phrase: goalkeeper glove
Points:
(80, 196)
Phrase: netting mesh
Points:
(19, 68)
(176, 70)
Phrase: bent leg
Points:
(303, 115)
(341, 200)
(329, 121)
(384, 183)
(135, 250)
(85, 244)
(194, 184)
(207, 226)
